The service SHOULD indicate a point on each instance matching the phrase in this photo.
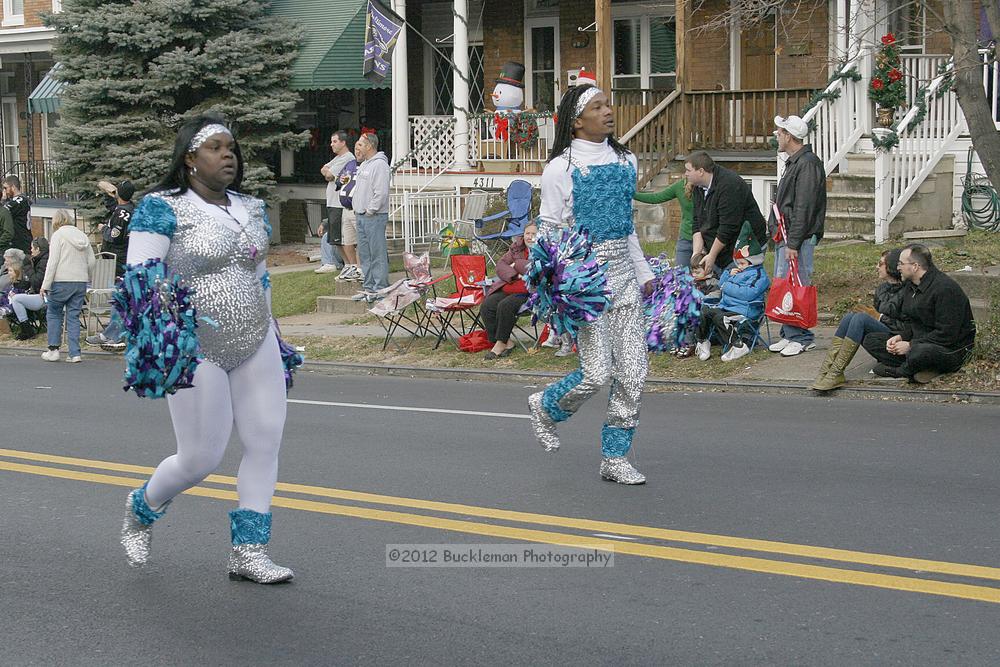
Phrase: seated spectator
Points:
(856, 325)
(31, 300)
(18, 278)
(70, 267)
(938, 331)
(743, 286)
(506, 295)
(704, 279)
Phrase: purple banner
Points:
(382, 28)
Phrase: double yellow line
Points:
(859, 577)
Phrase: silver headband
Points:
(204, 133)
(585, 98)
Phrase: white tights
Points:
(252, 396)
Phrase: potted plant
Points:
(887, 88)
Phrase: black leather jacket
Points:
(801, 198)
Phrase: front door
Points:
(757, 73)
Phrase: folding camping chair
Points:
(97, 300)
(748, 329)
(469, 272)
(400, 307)
(515, 219)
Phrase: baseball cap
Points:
(125, 190)
(794, 125)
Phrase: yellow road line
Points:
(747, 544)
(762, 565)
(589, 525)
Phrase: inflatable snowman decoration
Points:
(508, 99)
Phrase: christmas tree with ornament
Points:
(133, 71)
(887, 88)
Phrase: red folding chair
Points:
(469, 271)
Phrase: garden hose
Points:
(980, 202)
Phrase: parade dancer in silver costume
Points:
(588, 185)
(216, 239)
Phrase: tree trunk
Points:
(962, 22)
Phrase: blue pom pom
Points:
(568, 284)
(158, 315)
(673, 308)
(265, 280)
(290, 358)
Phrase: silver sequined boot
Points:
(251, 531)
(618, 469)
(542, 424)
(137, 528)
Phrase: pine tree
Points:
(136, 69)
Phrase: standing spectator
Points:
(938, 331)
(502, 305)
(114, 232)
(371, 206)
(801, 199)
(20, 210)
(330, 232)
(854, 326)
(722, 203)
(70, 268)
(6, 242)
(682, 191)
(31, 300)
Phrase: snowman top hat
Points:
(512, 74)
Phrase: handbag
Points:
(789, 301)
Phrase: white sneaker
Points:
(50, 355)
(356, 275)
(704, 350)
(779, 346)
(345, 273)
(736, 352)
(794, 348)
(565, 350)
(360, 296)
(326, 268)
(74, 360)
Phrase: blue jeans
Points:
(329, 253)
(66, 297)
(683, 252)
(373, 252)
(806, 250)
(857, 325)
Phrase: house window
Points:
(13, 12)
(541, 64)
(49, 122)
(56, 6)
(444, 80)
(908, 22)
(8, 115)
(645, 53)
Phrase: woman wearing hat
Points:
(853, 327)
(216, 240)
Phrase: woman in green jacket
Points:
(681, 191)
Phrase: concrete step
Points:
(851, 183)
(924, 234)
(979, 283)
(980, 310)
(851, 202)
(852, 224)
(341, 304)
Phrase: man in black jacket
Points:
(939, 331)
(20, 210)
(801, 198)
(722, 203)
(114, 232)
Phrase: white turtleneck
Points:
(557, 193)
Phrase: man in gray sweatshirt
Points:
(371, 206)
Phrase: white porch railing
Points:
(495, 148)
(414, 206)
(425, 213)
(901, 170)
(991, 82)
(840, 122)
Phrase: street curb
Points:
(662, 384)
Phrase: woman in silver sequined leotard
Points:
(216, 239)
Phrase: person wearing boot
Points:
(215, 239)
(31, 299)
(856, 325)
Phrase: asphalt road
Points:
(773, 530)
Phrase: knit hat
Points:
(892, 263)
(748, 247)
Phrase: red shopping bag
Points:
(474, 341)
(789, 301)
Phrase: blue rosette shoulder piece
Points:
(567, 283)
(158, 315)
(290, 358)
(673, 308)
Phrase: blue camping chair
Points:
(515, 218)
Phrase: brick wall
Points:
(503, 40)
(803, 48)
(32, 13)
(573, 15)
(707, 50)
(293, 221)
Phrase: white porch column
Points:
(863, 38)
(843, 23)
(400, 91)
(461, 86)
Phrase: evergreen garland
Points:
(135, 70)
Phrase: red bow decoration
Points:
(502, 125)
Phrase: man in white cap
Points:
(801, 199)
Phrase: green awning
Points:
(330, 57)
(45, 97)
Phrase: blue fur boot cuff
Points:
(143, 512)
(249, 527)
